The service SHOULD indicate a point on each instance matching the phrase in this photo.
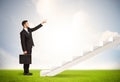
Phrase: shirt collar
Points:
(26, 29)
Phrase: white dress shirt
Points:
(26, 30)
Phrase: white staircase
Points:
(109, 43)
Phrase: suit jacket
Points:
(26, 38)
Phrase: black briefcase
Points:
(25, 59)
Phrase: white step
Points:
(86, 55)
(44, 72)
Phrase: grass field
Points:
(66, 76)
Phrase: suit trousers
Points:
(26, 66)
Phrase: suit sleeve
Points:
(35, 28)
(23, 44)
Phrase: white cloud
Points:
(65, 35)
(8, 61)
(98, 62)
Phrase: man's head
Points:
(25, 24)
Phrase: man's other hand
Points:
(44, 21)
(25, 52)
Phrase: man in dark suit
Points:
(27, 41)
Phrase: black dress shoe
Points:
(27, 73)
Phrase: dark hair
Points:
(23, 22)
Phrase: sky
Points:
(72, 26)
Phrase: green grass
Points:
(66, 76)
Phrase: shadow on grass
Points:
(72, 75)
(21, 74)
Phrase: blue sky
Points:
(12, 13)
(104, 15)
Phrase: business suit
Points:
(27, 43)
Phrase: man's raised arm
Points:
(38, 26)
